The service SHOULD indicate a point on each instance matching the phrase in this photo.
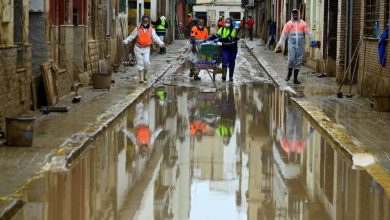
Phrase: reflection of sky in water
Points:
(217, 199)
(211, 204)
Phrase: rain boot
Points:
(224, 71)
(231, 72)
(296, 71)
(141, 76)
(192, 71)
(145, 75)
(289, 74)
(196, 76)
(164, 50)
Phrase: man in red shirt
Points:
(250, 22)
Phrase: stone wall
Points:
(93, 57)
(15, 95)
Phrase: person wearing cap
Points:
(161, 25)
(227, 35)
(295, 30)
(145, 35)
(221, 22)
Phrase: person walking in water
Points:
(295, 30)
(227, 35)
(198, 33)
(161, 25)
(144, 35)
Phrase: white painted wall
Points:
(211, 19)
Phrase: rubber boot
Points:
(141, 76)
(224, 71)
(145, 75)
(196, 76)
(192, 72)
(296, 71)
(289, 74)
(231, 72)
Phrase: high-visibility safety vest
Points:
(145, 37)
(161, 26)
(225, 131)
(226, 32)
(197, 126)
(199, 34)
(143, 136)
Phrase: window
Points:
(222, 13)
(235, 15)
(122, 6)
(371, 24)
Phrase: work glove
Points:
(162, 45)
(124, 42)
(278, 47)
(219, 44)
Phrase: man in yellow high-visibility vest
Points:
(161, 25)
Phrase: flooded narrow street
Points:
(243, 152)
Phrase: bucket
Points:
(101, 81)
(19, 130)
(381, 103)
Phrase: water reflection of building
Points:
(108, 182)
(255, 142)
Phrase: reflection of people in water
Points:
(225, 128)
(202, 116)
(293, 140)
(144, 136)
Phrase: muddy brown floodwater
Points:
(244, 152)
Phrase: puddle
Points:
(243, 152)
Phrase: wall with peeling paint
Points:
(15, 60)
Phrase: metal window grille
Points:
(372, 15)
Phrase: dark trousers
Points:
(229, 58)
(250, 31)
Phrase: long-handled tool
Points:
(364, 66)
(349, 95)
(339, 93)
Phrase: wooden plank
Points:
(49, 83)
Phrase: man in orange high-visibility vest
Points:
(295, 30)
(145, 35)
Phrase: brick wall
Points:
(15, 90)
(369, 65)
(368, 76)
(341, 24)
(342, 47)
